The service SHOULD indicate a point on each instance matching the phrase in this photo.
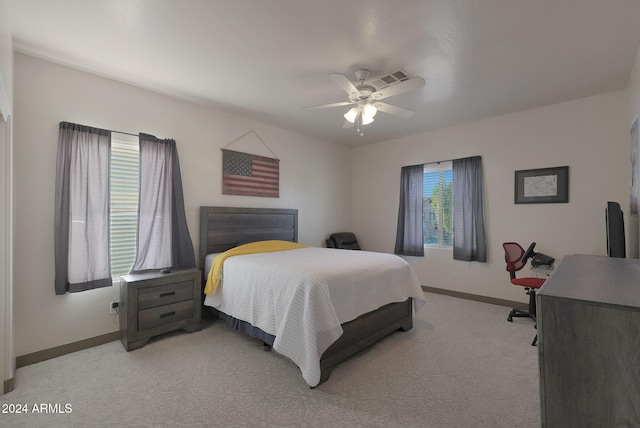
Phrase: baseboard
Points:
(8, 385)
(58, 351)
(477, 298)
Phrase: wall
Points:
(7, 356)
(6, 61)
(590, 135)
(312, 180)
(634, 110)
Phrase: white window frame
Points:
(440, 167)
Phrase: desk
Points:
(589, 343)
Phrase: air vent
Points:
(390, 79)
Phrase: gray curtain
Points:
(163, 239)
(469, 240)
(81, 218)
(409, 235)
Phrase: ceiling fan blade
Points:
(342, 103)
(346, 85)
(407, 85)
(395, 110)
(347, 124)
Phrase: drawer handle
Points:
(170, 293)
(168, 314)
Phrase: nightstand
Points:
(155, 303)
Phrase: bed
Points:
(223, 228)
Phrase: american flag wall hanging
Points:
(250, 175)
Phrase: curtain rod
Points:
(101, 129)
(439, 162)
(451, 160)
(125, 133)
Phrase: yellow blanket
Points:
(213, 279)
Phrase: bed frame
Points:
(222, 228)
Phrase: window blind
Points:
(438, 204)
(125, 161)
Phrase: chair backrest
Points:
(345, 240)
(513, 253)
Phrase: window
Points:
(124, 203)
(97, 189)
(438, 204)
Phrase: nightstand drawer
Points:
(154, 303)
(162, 315)
(165, 294)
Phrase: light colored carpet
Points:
(462, 365)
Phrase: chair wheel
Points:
(510, 318)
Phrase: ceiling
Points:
(266, 59)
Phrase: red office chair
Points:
(513, 253)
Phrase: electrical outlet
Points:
(113, 307)
(454, 274)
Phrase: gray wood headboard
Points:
(222, 228)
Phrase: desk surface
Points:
(602, 280)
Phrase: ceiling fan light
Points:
(351, 115)
(369, 110)
(366, 119)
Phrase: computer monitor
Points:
(615, 230)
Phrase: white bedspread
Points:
(302, 296)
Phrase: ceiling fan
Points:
(366, 99)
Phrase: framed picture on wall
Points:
(542, 185)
